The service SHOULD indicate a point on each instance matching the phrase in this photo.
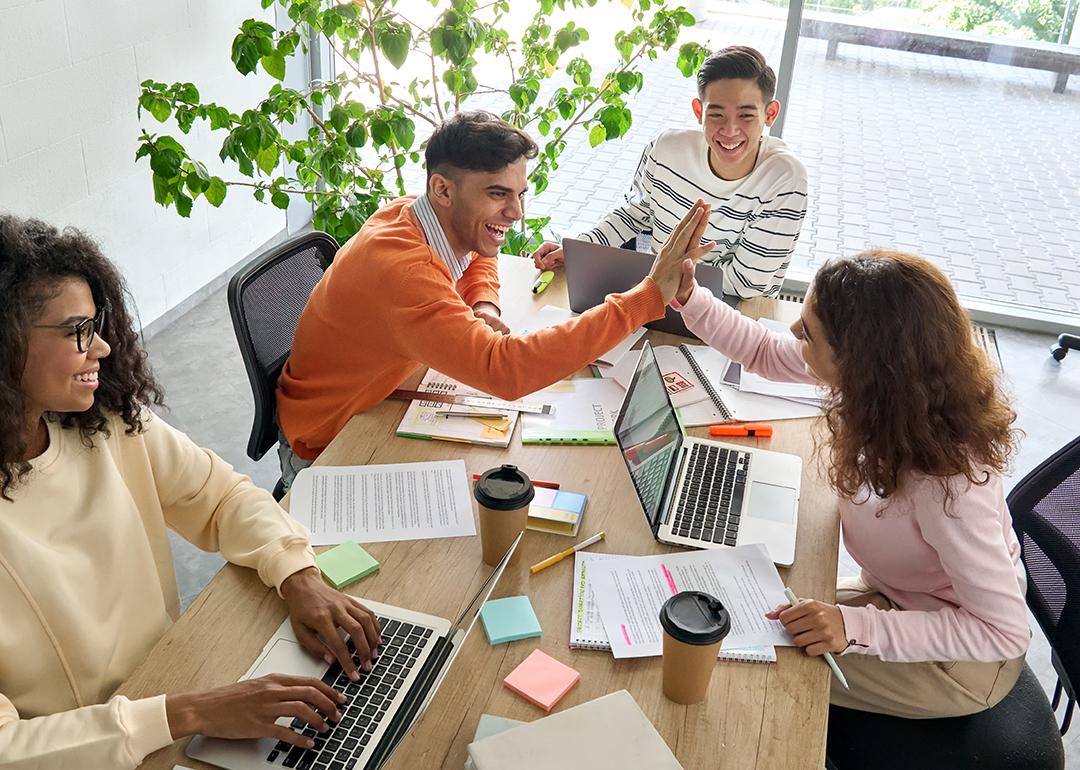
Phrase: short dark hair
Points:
(739, 62)
(476, 140)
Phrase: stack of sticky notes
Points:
(542, 680)
(509, 619)
(346, 563)
(555, 511)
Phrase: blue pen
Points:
(793, 600)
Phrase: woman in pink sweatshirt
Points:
(919, 434)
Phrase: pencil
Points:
(563, 554)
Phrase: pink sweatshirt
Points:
(958, 577)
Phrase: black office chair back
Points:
(265, 301)
(1045, 508)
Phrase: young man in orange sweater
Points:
(418, 286)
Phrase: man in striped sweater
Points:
(754, 183)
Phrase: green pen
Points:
(543, 280)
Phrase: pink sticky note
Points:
(542, 680)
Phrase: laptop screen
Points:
(648, 434)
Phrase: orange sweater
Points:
(388, 305)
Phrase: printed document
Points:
(376, 503)
(629, 592)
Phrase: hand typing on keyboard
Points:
(317, 611)
(249, 709)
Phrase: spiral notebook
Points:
(587, 629)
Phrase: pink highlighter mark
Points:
(626, 636)
(670, 580)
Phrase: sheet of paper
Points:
(376, 503)
(629, 592)
(549, 315)
(587, 627)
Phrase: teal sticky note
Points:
(346, 563)
(509, 619)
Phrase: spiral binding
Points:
(709, 390)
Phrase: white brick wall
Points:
(69, 83)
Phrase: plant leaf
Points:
(215, 191)
(274, 64)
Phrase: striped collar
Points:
(436, 238)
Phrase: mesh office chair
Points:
(265, 301)
(1045, 509)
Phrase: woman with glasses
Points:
(90, 480)
(918, 433)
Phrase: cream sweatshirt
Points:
(957, 576)
(87, 585)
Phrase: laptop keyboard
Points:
(710, 503)
(368, 700)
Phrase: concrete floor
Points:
(198, 362)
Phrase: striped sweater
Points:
(755, 220)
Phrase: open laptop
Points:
(417, 651)
(698, 493)
(593, 271)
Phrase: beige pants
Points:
(916, 690)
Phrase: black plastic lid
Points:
(695, 617)
(504, 489)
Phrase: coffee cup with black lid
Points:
(503, 495)
(695, 625)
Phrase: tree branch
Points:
(366, 77)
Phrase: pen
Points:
(563, 554)
(793, 600)
(484, 415)
(535, 483)
(542, 281)
(752, 429)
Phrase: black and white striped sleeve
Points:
(634, 216)
(762, 254)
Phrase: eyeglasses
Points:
(84, 331)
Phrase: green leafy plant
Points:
(364, 120)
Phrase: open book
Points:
(587, 629)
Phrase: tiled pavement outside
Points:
(973, 165)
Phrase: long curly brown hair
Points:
(34, 258)
(915, 393)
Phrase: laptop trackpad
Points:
(769, 501)
(288, 657)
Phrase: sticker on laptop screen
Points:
(676, 383)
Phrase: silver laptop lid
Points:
(455, 637)
(593, 271)
(649, 436)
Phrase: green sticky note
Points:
(510, 619)
(346, 563)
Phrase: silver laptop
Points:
(698, 493)
(417, 651)
(594, 271)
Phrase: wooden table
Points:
(755, 716)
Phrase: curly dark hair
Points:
(915, 392)
(34, 258)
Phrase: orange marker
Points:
(751, 429)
